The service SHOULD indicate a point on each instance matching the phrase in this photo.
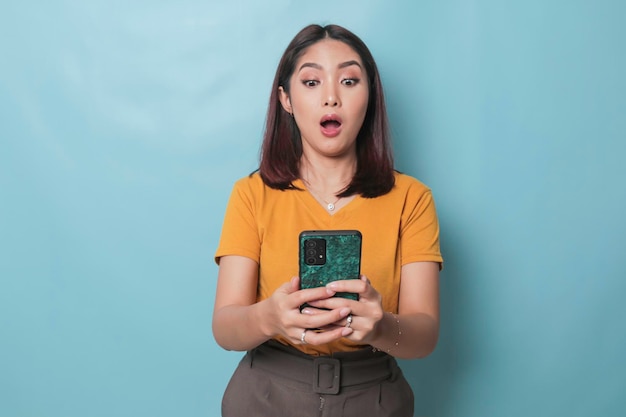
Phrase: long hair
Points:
(282, 144)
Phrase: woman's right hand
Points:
(281, 315)
(241, 323)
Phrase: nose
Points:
(331, 98)
(331, 101)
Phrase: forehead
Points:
(328, 52)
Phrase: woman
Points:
(326, 163)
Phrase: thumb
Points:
(290, 287)
(295, 284)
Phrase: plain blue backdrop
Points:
(123, 126)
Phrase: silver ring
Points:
(349, 320)
(302, 337)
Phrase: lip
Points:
(333, 129)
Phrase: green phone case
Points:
(339, 259)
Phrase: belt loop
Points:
(326, 375)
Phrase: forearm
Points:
(240, 328)
(406, 336)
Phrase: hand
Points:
(366, 313)
(283, 316)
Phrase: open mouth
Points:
(331, 124)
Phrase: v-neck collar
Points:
(318, 207)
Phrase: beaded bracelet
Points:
(397, 343)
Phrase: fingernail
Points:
(305, 311)
(344, 311)
(346, 331)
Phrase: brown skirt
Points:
(277, 380)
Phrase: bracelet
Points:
(397, 343)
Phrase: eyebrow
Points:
(349, 63)
(319, 67)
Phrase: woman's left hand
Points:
(366, 313)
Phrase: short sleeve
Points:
(239, 234)
(419, 234)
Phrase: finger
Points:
(305, 296)
(334, 303)
(322, 337)
(348, 285)
(347, 322)
(360, 286)
(295, 284)
(330, 327)
(289, 287)
(364, 307)
(323, 318)
(312, 310)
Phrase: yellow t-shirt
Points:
(398, 228)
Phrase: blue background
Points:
(124, 124)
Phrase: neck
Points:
(329, 177)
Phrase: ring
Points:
(302, 337)
(349, 320)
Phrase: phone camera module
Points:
(315, 251)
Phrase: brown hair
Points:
(282, 147)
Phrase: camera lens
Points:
(314, 251)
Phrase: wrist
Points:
(263, 317)
(388, 333)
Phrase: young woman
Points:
(326, 164)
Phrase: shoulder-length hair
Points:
(282, 145)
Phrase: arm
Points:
(418, 314)
(236, 327)
(241, 323)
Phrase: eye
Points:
(310, 83)
(349, 82)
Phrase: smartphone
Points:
(329, 255)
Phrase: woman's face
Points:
(328, 97)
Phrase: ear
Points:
(284, 100)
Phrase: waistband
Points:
(324, 374)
